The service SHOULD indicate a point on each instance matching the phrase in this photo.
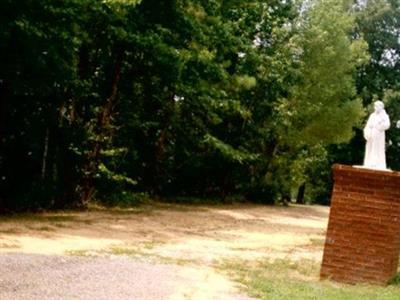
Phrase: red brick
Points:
(363, 235)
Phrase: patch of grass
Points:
(141, 249)
(77, 252)
(141, 252)
(283, 279)
(174, 260)
(317, 242)
(150, 245)
(126, 251)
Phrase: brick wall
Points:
(363, 237)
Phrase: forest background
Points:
(124, 101)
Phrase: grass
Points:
(128, 251)
(283, 279)
(142, 250)
(317, 242)
(83, 253)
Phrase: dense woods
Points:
(117, 101)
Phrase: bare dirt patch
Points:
(194, 236)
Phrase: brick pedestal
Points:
(363, 237)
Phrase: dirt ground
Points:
(195, 237)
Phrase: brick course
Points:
(363, 237)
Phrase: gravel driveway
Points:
(30, 276)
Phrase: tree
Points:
(379, 78)
(321, 106)
(103, 99)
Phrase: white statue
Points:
(374, 134)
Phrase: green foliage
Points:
(125, 199)
(320, 107)
(174, 98)
(327, 62)
(228, 152)
(395, 280)
(379, 78)
(392, 103)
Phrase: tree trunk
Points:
(300, 194)
(160, 151)
(45, 152)
(4, 95)
(104, 119)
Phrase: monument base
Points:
(363, 237)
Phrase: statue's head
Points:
(378, 106)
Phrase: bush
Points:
(125, 199)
